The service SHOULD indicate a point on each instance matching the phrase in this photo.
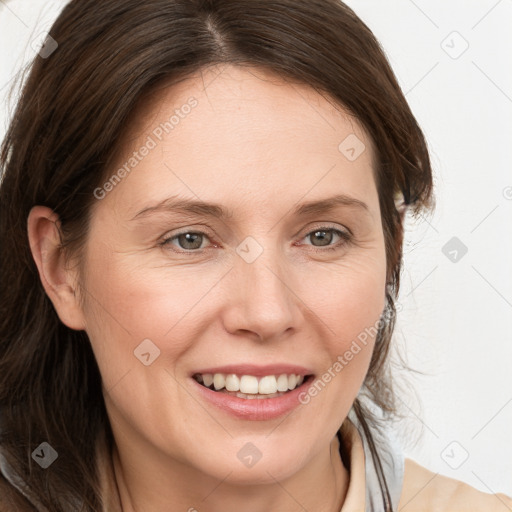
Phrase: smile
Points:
(251, 392)
(250, 386)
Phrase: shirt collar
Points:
(355, 500)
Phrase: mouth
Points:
(253, 392)
(251, 387)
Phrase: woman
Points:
(201, 238)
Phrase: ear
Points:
(400, 205)
(58, 281)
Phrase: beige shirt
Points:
(420, 490)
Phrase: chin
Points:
(257, 462)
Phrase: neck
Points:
(321, 486)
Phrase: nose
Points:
(260, 298)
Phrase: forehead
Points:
(242, 135)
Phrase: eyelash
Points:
(345, 236)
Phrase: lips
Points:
(253, 392)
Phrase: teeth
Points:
(270, 385)
(232, 382)
(219, 381)
(251, 397)
(267, 385)
(248, 384)
(282, 382)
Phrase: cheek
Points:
(171, 305)
(348, 295)
(349, 298)
(129, 303)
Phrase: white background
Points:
(456, 321)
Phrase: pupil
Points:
(326, 240)
(190, 238)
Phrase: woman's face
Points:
(285, 274)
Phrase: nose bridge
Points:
(262, 299)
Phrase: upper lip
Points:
(256, 371)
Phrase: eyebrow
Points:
(191, 206)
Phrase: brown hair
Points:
(63, 134)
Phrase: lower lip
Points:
(255, 409)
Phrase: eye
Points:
(194, 241)
(324, 236)
(187, 241)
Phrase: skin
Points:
(257, 145)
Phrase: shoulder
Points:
(424, 491)
(11, 500)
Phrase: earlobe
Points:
(43, 228)
(402, 211)
(400, 205)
